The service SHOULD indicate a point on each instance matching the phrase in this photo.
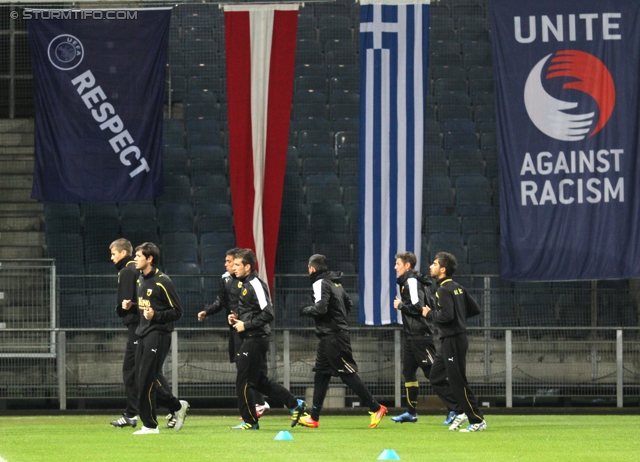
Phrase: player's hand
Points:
(126, 304)
(202, 315)
(232, 318)
(239, 326)
(148, 313)
(396, 302)
(425, 311)
(301, 310)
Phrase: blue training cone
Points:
(283, 436)
(389, 454)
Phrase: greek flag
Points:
(393, 72)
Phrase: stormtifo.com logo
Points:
(570, 75)
(65, 52)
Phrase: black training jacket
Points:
(228, 296)
(331, 304)
(254, 306)
(128, 290)
(157, 291)
(415, 294)
(452, 308)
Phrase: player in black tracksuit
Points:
(121, 251)
(418, 350)
(252, 319)
(329, 310)
(448, 374)
(227, 300)
(161, 307)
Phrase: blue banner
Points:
(393, 79)
(98, 91)
(567, 99)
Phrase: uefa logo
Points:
(571, 75)
(65, 52)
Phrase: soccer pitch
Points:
(340, 438)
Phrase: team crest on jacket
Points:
(149, 292)
(244, 292)
(239, 285)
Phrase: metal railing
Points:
(501, 364)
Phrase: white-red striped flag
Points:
(260, 45)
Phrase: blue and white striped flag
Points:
(393, 74)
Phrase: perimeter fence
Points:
(520, 354)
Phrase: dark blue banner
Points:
(98, 85)
(567, 99)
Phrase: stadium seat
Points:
(334, 20)
(209, 161)
(445, 240)
(454, 111)
(172, 139)
(445, 59)
(537, 309)
(61, 218)
(227, 240)
(74, 310)
(175, 218)
(328, 217)
(454, 140)
(444, 46)
(476, 59)
(458, 251)
(344, 112)
(316, 84)
(451, 72)
(349, 167)
(309, 111)
(309, 50)
(142, 225)
(437, 224)
(452, 98)
(327, 33)
(488, 140)
(468, 167)
(449, 84)
(458, 125)
(214, 218)
(481, 86)
(484, 112)
(314, 138)
(318, 166)
(485, 268)
(102, 311)
(216, 193)
(323, 193)
(478, 225)
(484, 255)
(309, 69)
(438, 196)
(503, 309)
(335, 60)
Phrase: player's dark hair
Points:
(319, 262)
(247, 256)
(149, 249)
(122, 244)
(233, 252)
(408, 257)
(447, 261)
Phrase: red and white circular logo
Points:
(570, 120)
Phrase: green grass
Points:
(339, 438)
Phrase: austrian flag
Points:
(260, 46)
